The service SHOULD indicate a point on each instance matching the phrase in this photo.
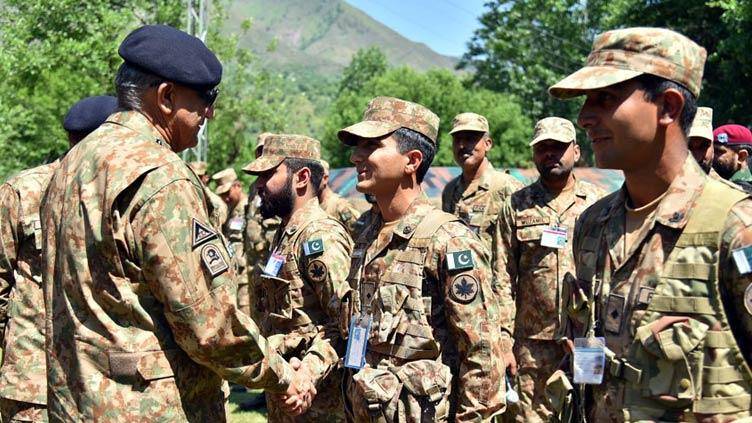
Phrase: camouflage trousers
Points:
(17, 411)
(326, 407)
(419, 391)
(536, 362)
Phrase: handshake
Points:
(300, 393)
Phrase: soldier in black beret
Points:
(142, 319)
(86, 116)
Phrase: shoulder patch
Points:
(460, 260)
(213, 260)
(464, 288)
(313, 246)
(201, 233)
(317, 271)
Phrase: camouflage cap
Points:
(261, 138)
(469, 122)
(553, 128)
(702, 125)
(224, 179)
(278, 147)
(385, 115)
(199, 168)
(623, 54)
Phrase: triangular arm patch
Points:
(201, 233)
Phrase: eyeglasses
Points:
(209, 96)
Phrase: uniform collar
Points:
(742, 175)
(483, 182)
(673, 209)
(137, 122)
(302, 215)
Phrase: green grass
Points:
(238, 416)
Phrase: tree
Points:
(445, 94)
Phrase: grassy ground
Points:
(238, 416)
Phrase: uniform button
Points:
(407, 229)
(685, 383)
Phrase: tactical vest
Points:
(401, 326)
(287, 302)
(695, 365)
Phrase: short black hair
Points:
(655, 85)
(131, 83)
(408, 140)
(294, 164)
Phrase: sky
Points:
(444, 25)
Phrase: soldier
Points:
(305, 276)
(23, 375)
(218, 208)
(732, 146)
(141, 321)
(422, 318)
(230, 190)
(701, 139)
(665, 257)
(476, 197)
(335, 205)
(536, 224)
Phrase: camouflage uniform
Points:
(141, 321)
(257, 239)
(675, 308)
(536, 273)
(365, 220)
(299, 301)
(233, 229)
(23, 375)
(339, 208)
(434, 349)
(217, 207)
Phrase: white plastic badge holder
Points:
(554, 237)
(589, 360)
(274, 264)
(357, 342)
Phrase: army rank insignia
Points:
(317, 271)
(313, 246)
(460, 260)
(743, 259)
(464, 288)
(201, 233)
(213, 260)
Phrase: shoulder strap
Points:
(706, 220)
(431, 223)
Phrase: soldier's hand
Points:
(510, 362)
(300, 393)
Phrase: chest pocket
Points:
(530, 226)
(402, 312)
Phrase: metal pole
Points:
(198, 25)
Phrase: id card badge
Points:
(589, 360)
(554, 237)
(274, 264)
(357, 342)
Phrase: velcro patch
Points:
(201, 233)
(213, 259)
(313, 246)
(743, 259)
(317, 271)
(464, 288)
(460, 260)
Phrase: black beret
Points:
(172, 54)
(89, 113)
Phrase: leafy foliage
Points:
(441, 91)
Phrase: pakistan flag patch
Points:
(460, 260)
(313, 246)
